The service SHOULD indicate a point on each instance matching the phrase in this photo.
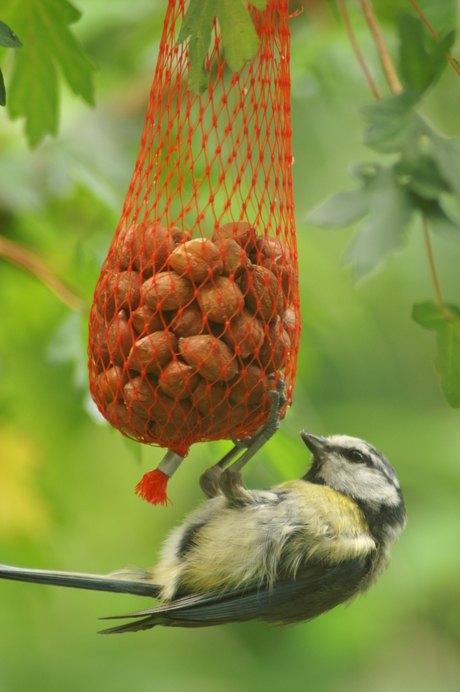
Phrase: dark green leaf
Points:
(422, 58)
(2, 90)
(450, 205)
(421, 175)
(447, 361)
(50, 43)
(198, 24)
(34, 94)
(440, 222)
(239, 36)
(8, 38)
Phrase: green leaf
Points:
(341, 209)
(422, 58)
(2, 90)
(8, 38)
(446, 155)
(390, 207)
(393, 123)
(450, 205)
(34, 94)
(447, 361)
(48, 44)
(440, 222)
(239, 36)
(198, 24)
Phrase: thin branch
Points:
(434, 275)
(385, 59)
(434, 34)
(357, 49)
(27, 260)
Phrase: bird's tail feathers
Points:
(131, 580)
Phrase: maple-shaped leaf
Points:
(239, 36)
(386, 203)
(48, 45)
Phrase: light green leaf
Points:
(8, 38)
(340, 210)
(447, 361)
(239, 36)
(390, 206)
(394, 123)
(48, 44)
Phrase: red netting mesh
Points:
(196, 311)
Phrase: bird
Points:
(281, 555)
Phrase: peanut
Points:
(151, 248)
(251, 387)
(120, 339)
(197, 259)
(213, 359)
(220, 299)
(152, 352)
(119, 291)
(241, 231)
(275, 349)
(167, 291)
(178, 380)
(187, 321)
(111, 383)
(261, 294)
(145, 319)
(244, 334)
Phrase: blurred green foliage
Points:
(66, 481)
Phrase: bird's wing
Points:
(314, 590)
(116, 583)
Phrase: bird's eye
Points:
(355, 455)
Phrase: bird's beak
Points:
(315, 444)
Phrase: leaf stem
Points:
(27, 260)
(357, 49)
(434, 34)
(385, 59)
(434, 275)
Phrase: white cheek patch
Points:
(359, 481)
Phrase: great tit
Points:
(282, 555)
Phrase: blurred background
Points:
(365, 369)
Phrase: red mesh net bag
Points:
(196, 311)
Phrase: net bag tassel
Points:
(152, 486)
(196, 310)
